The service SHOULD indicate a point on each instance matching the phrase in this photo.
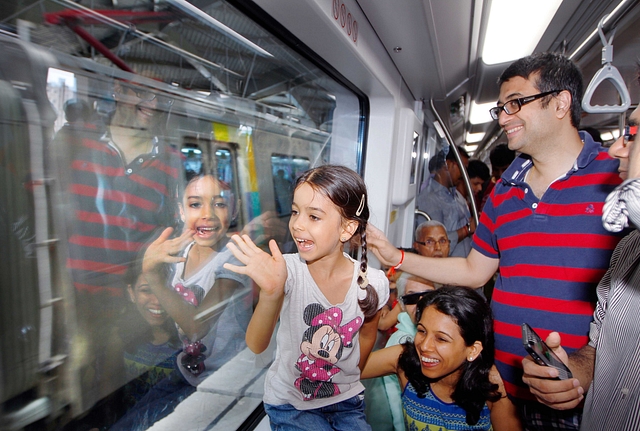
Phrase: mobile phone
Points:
(541, 353)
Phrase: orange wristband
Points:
(393, 269)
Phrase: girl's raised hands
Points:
(269, 271)
(164, 250)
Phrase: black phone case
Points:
(532, 343)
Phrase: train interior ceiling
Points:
(253, 91)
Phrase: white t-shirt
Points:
(318, 352)
(226, 337)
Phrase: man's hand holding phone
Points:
(543, 381)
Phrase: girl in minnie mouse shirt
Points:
(199, 283)
(327, 303)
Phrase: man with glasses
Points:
(608, 365)
(431, 239)
(540, 227)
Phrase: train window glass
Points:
(192, 159)
(415, 150)
(132, 100)
(61, 88)
(224, 165)
(284, 172)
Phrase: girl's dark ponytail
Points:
(368, 305)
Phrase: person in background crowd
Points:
(431, 239)
(500, 158)
(442, 201)
(608, 365)
(479, 176)
(528, 231)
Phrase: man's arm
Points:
(560, 394)
(473, 271)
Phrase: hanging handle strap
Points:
(608, 72)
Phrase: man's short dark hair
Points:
(439, 160)
(555, 72)
(478, 169)
(501, 156)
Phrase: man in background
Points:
(442, 201)
(479, 175)
(500, 158)
(431, 239)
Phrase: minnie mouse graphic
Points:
(321, 348)
(193, 358)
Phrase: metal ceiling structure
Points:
(434, 44)
(187, 49)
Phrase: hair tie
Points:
(365, 281)
(360, 207)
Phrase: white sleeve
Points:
(622, 206)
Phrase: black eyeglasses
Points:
(515, 105)
(431, 242)
(629, 135)
(413, 298)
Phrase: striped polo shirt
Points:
(553, 252)
(116, 208)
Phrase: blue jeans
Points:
(347, 415)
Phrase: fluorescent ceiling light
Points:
(479, 113)
(472, 138)
(471, 149)
(515, 28)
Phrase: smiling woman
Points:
(447, 372)
(144, 344)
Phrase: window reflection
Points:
(117, 151)
(285, 171)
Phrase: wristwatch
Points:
(468, 229)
